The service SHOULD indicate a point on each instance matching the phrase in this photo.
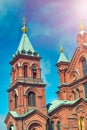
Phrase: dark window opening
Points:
(85, 86)
(84, 66)
(78, 91)
(74, 95)
(15, 101)
(29, 52)
(31, 99)
(11, 127)
(34, 72)
(58, 126)
(25, 71)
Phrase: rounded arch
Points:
(11, 126)
(34, 64)
(58, 117)
(78, 92)
(35, 125)
(73, 94)
(74, 75)
(25, 69)
(79, 108)
(25, 63)
(31, 99)
(34, 71)
(16, 92)
(28, 89)
(17, 65)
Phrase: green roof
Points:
(62, 58)
(16, 115)
(57, 103)
(25, 44)
(25, 47)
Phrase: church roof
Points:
(62, 58)
(25, 44)
(15, 114)
(57, 103)
(25, 47)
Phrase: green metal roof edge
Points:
(15, 114)
(62, 102)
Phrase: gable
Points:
(75, 69)
(64, 104)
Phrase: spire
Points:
(81, 27)
(62, 57)
(25, 47)
(24, 28)
(61, 48)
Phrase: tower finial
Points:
(24, 28)
(61, 48)
(82, 27)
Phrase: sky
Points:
(48, 22)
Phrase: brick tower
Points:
(27, 107)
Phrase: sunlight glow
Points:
(81, 8)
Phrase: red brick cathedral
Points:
(27, 105)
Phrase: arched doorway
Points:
(11, 127)
(35, 126)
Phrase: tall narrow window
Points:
(31, 99)
(78, 92)
(52, 125)
(15, 101)
(25, 71)
(84, 66)
(74, 95)
(58, 126)
(34, 71)
(85, 86)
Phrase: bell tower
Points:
(27, 89)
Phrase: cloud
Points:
(46, 70)
(2, 124)
(6, 5)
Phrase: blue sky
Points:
(48, 22)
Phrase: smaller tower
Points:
(82, 35)
(62, 65)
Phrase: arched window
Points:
(12, 127)
(84, 67)
(58, 125)
(25, 71)
(31, 99)
(74, 95)
(78, 92)
(15, 101)
(34, 71)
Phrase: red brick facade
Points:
(27, 106)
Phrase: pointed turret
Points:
(25, 47)
(62, 65)
(62, 57)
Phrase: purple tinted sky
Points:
(48, 21)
